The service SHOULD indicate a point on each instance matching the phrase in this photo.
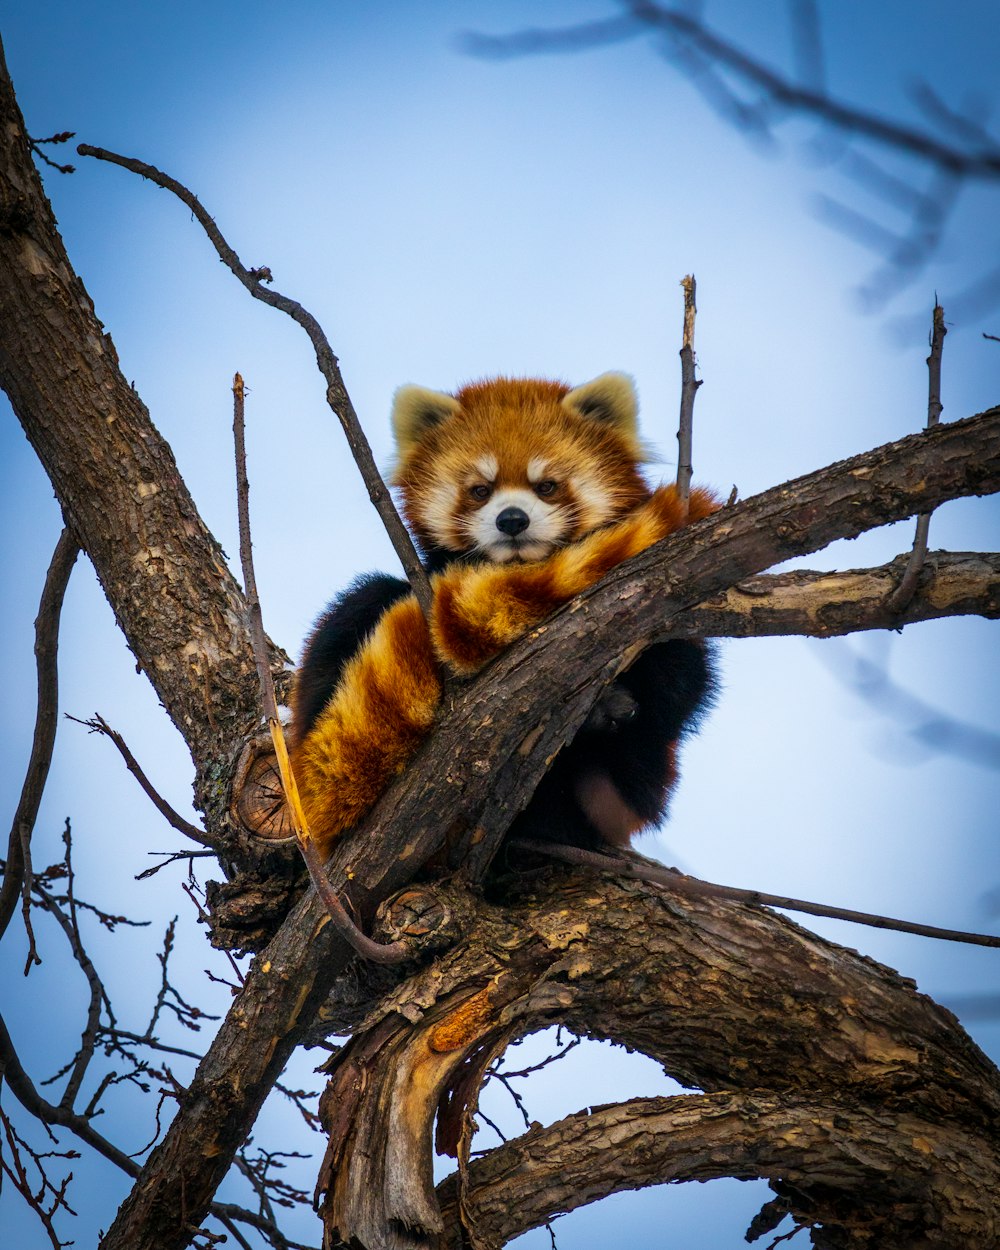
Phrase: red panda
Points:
(521, 493)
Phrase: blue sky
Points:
(448, 218)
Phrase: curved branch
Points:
(896, 1159)
(336, 392)
(482, 736)
(113, 473)
(46, 719)
(725, 996)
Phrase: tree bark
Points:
(165, 576)
(822, 1069)
(183, 616)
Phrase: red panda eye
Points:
(480, 491)
(548, 487)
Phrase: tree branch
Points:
(782, 1015)
(481, 736)
(893, 1156)
(336, 392)
(46, 720)
(116, 477)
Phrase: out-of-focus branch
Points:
(16, 878)
(754, 97)
(980, 160)
(336, 392)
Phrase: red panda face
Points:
(511, 469)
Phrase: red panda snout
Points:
(515, 524)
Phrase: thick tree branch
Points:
(827, 605)
(727, 997)
(164, 574)
(897, 1158)
(482, 738)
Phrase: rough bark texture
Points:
(822, 1069)
(727, 997)
(164, 574)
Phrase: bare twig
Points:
(63, 137)
(689, 388)
(336, 392)
(16, 877)
(641, 869)
(391, 953)
(904, 592)
(97, 724)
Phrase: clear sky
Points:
(448, 218)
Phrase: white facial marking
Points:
(438, 513)
(595, 503)
(537, 470)
(545, 529)
(488, 467)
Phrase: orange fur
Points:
(388, 694)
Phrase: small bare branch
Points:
(689, 388)
(638, 868)
(16, 877)
(63, 137)
(905, 590)
(97, 724)
(394, 952)
(336, 392)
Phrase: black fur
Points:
(671, 685)
(338, 633)
(627, 735)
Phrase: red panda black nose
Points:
(513, 521)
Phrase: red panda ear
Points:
(610, 400)
(415, 410)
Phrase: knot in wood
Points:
(258, 800)
(417, 914)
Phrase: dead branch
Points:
(336, 392)
(689, 388)
(904, 592)
(17, 875)
(97, 724)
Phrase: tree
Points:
(724, 1037)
